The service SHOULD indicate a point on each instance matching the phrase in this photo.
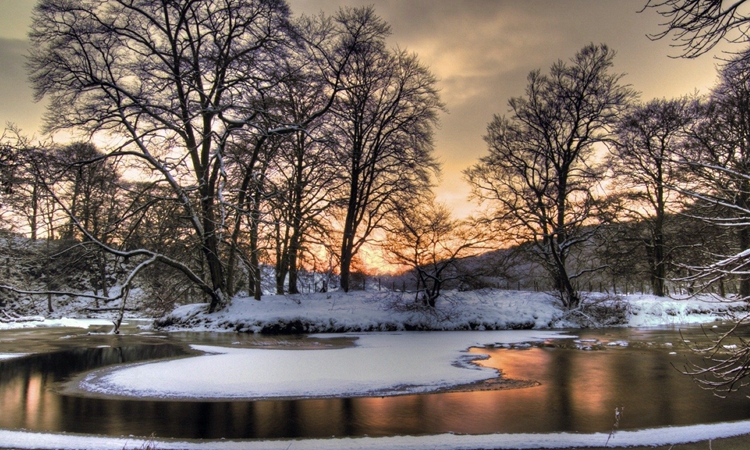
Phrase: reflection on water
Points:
(579, 392)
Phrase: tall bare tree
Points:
(177, 82)
(718, 158)
(385, 119)
(306, 184)
(647, 136)
(174, 79)
(698, 26)
(540, 176)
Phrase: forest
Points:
(232, 148)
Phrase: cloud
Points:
(468, 44)
(15, 18)
(16, 97)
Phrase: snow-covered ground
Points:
(62, 322)
(651, 437)
(378, 363)
(472, 310)
(390, 311)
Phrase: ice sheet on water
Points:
(378, 364)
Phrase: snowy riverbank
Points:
(653, 437)
(338, 312)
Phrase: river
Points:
(570, 385)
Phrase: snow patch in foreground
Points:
(378, 364)
(648, 437)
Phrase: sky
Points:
(480, 50)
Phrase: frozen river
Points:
(548, 386)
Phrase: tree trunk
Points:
(282, 256)
(568, 293)
(347, 245)
(659, 272)
(744, 243)
(281, 273)
(558, 272)
(296, 225)
(347, 248)
(255, 286)
(293, 252)
(216, 272)
(210, 249)
(34, 211)
(232, 257)
(346, 261)
(659, 269)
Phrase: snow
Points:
(473, 310)
(11, 355)
(650, 311)
(373, 311)
(379, 364)
(62, 322)
(649, 437)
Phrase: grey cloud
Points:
(16, 98)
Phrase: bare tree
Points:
(697, 26)
(718, 159)
(540, 175)
(177, 82)
(641, 160)
(385, 119)
(721, 166)
(174, 79)
(426, 239)
(306, 183)
(21, 193)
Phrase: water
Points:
(578, 391)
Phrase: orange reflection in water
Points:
(25, 403)
(580, 386)
(33, 401)
(592, 398)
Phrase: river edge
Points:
(738, 442)
(732, 443)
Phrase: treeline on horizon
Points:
(242, 138)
